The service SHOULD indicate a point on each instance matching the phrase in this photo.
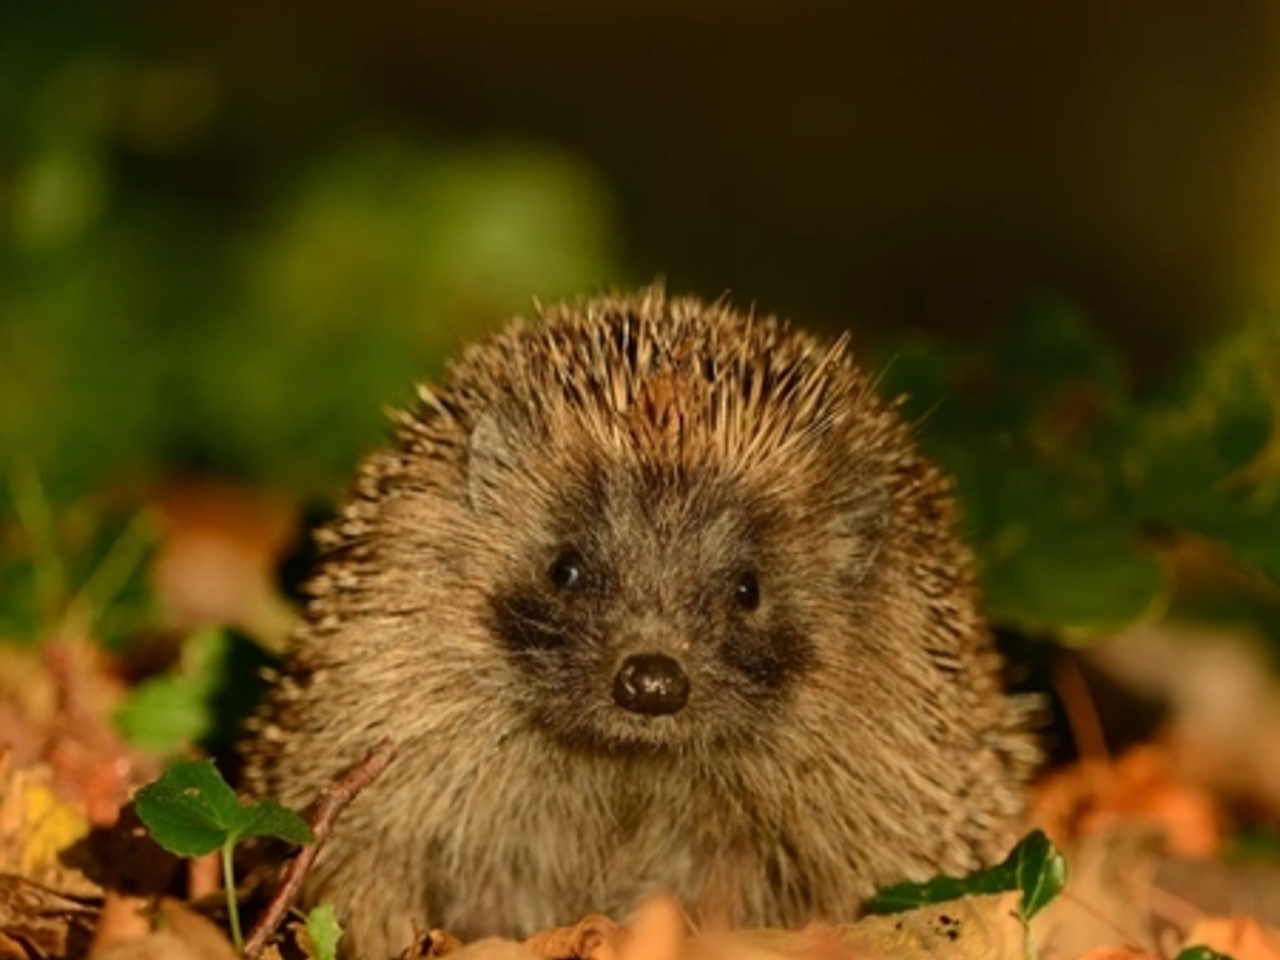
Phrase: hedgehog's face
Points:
(660, 610)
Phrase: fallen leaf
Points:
(1109, 898)
(182, 934)
(975, 928)
(657, 933)
(1142, 785)
(427, 946)
(37, 826)
(122, 918)
(43, 920)
(593, 938)
(1117, 953)
(217, 558)
(494, 948)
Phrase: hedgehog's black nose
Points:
(652, 684)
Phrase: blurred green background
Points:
(230, 234)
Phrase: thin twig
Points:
(331, 803)
(1082, 713)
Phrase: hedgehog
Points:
(655, 596)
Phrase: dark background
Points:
(921, 162)
(230, 294)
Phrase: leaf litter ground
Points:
(1157, 858)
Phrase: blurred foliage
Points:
(73, 571)
(175, 297)
(1072, 484)
(200, 700)
(165, 302)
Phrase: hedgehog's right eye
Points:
(566, 569)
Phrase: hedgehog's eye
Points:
(566, 570)
(746, 593)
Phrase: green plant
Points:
(72, 572)
(191, 811)
(1034, 867)
(1073, 482)
(324, 932)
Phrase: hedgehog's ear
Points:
(489, 456)
(861, 530)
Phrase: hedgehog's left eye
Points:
(746, 593)
(566, 569)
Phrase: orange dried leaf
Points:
(595, 937)
(1118, 953)
(1140, 786)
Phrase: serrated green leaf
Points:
(190, 810)
(324, 932)
(1034, 867)
(269, 818)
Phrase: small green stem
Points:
(233, 906)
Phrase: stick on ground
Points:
(330, 803)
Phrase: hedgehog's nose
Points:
(651, 683)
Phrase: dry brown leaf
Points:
(975, 928)
(494, 948)
(592, 938)
(1241, 938)
(92, 763)
(182, 934)
(657, 933)
(1108, 900)
(36, 826)
(122, 918)
(812, 943)
(43, 920)
(1225, 700)
(217, 558)
(200, 932)
(27, 702)
(11, 949)
(1142, 785)
(1117, 953)
(428, 946)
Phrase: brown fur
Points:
(848, 732)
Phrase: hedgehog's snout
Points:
(653, 684)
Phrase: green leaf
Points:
(323, 931)
(190, 810)
(164, 713)
(1034, 866)
(1201, 952)
(201, 701)
(269, 818)
(1076, 581)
